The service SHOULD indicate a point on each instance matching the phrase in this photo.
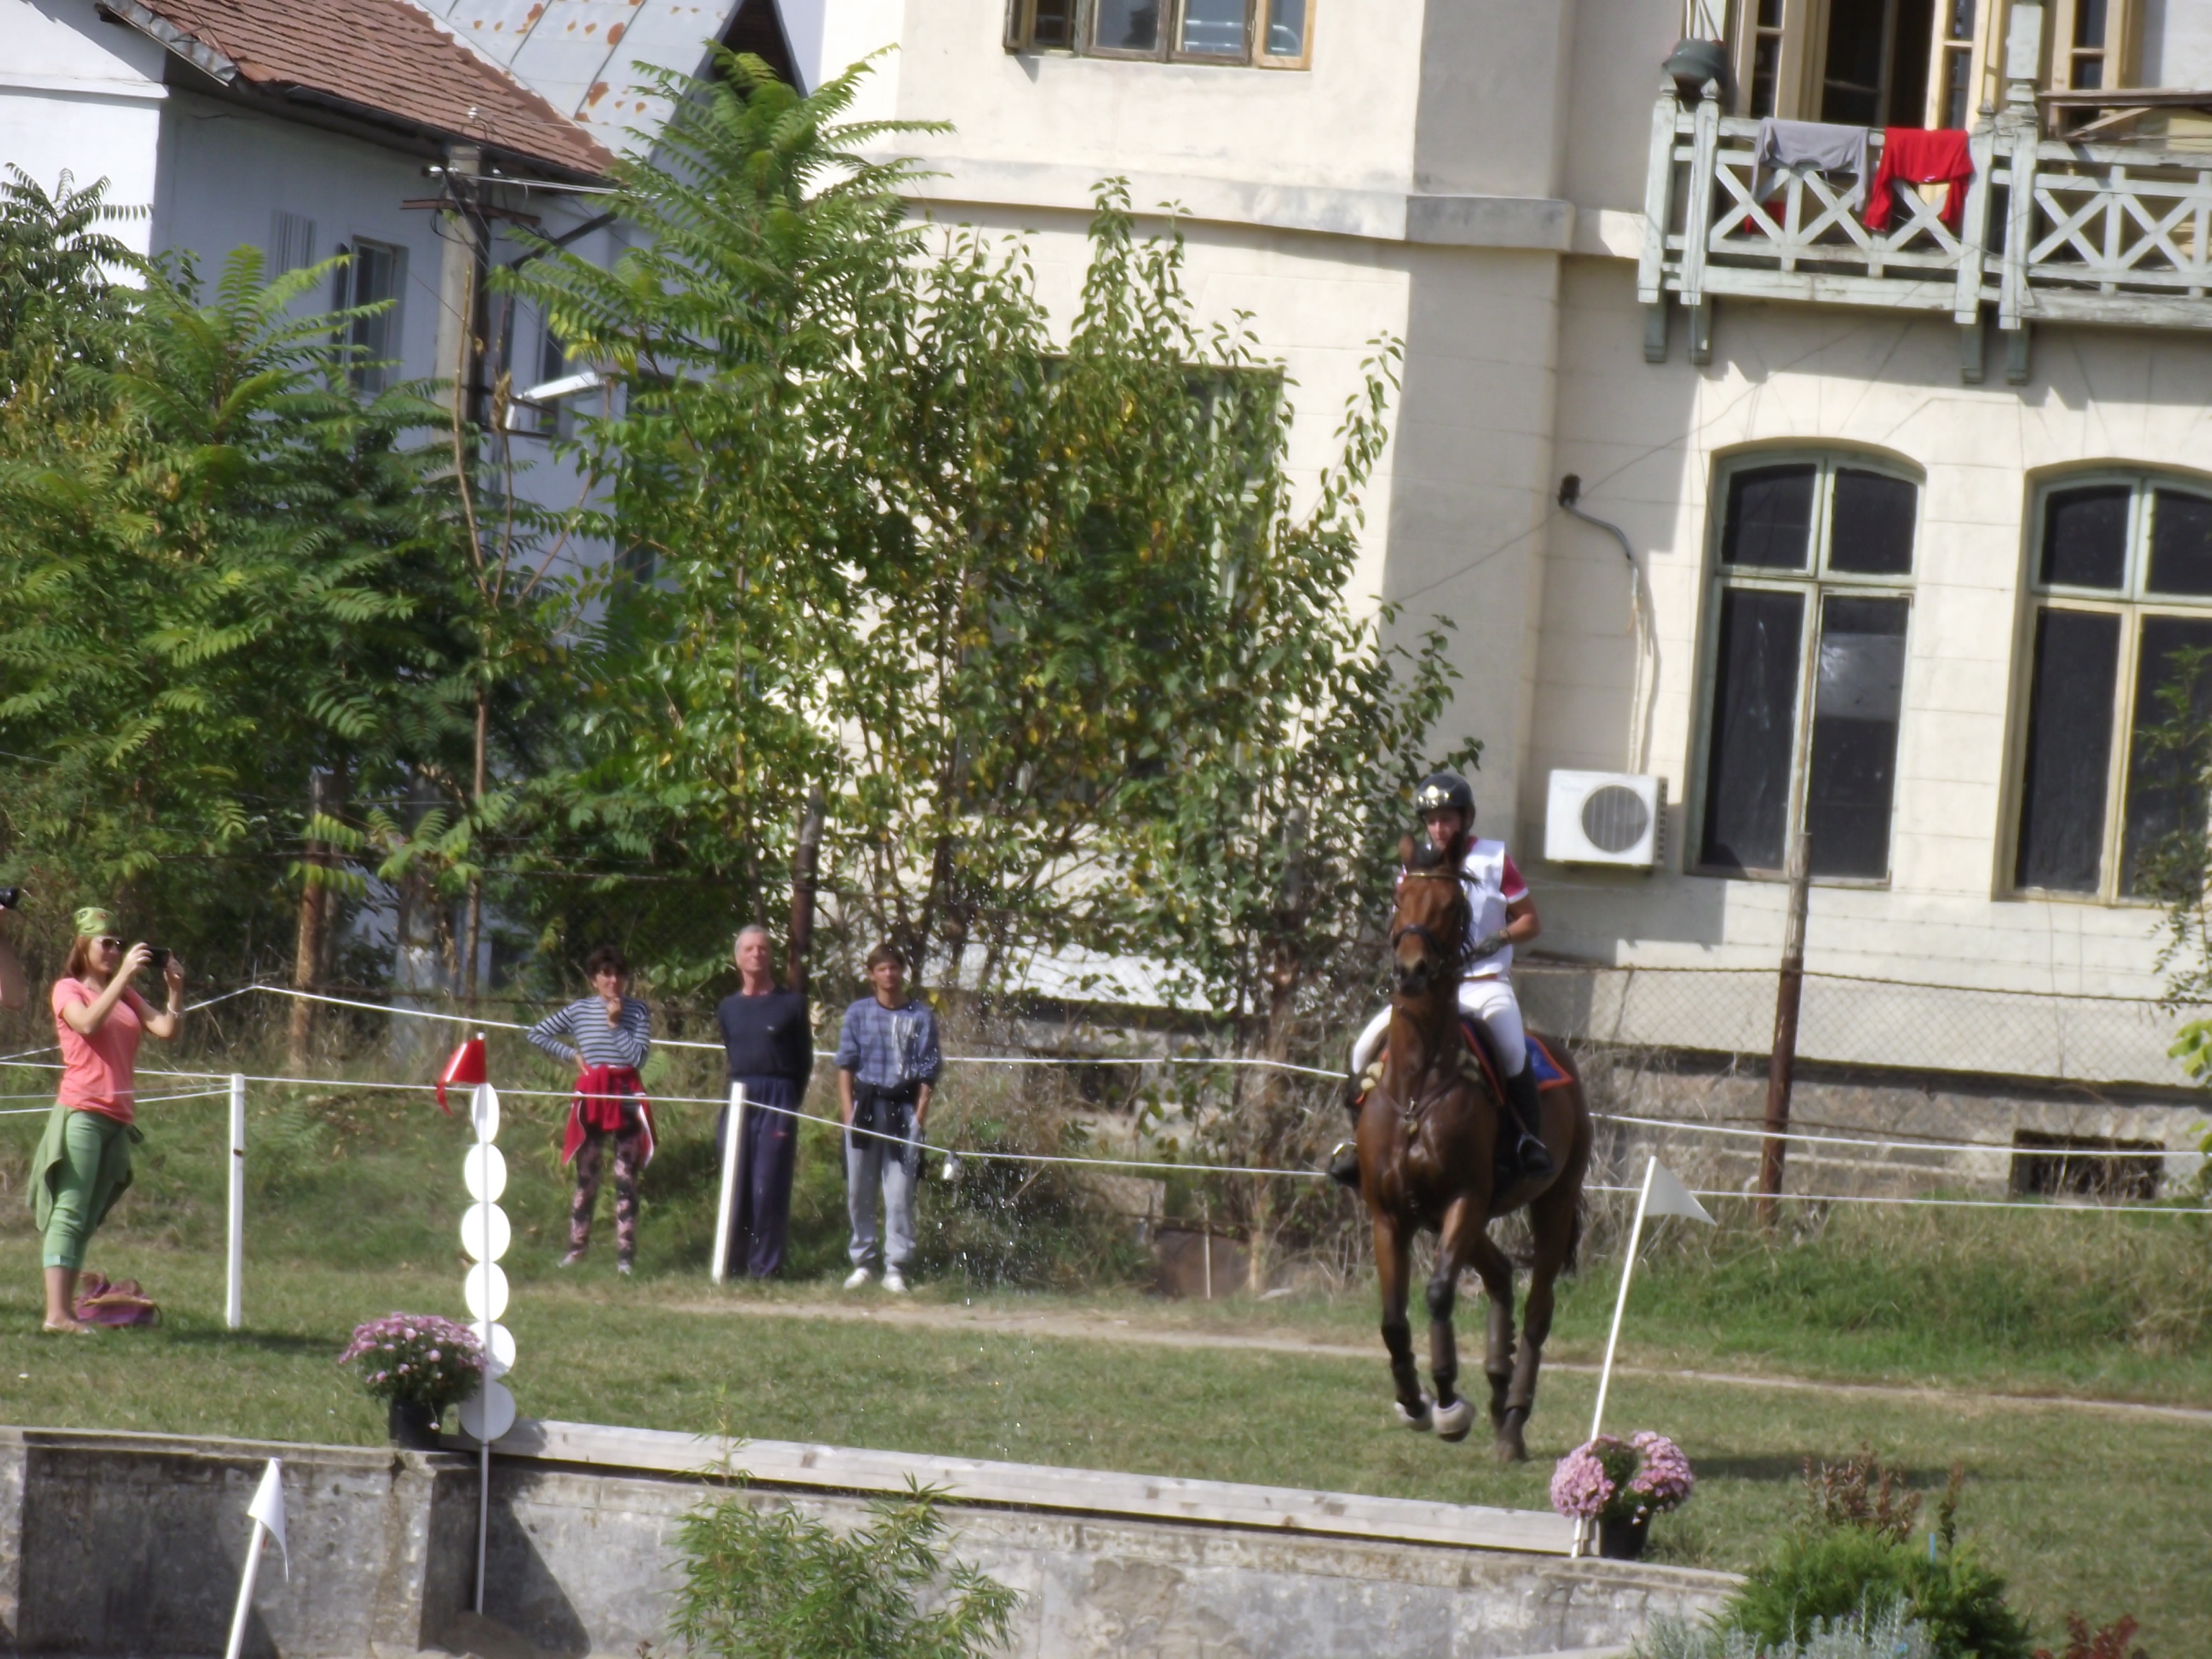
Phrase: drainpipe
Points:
(1570, 498)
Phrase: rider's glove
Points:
(1489, 945)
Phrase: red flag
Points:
(466, 1066)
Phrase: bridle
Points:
(1451, 961)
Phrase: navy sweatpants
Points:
(761, 1213)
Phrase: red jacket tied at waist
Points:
(1914, 156)
(605, 1097)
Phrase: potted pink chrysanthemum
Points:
(1620, 1484)
(418, 1364)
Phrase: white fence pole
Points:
(725, 1209)
(233, 1308)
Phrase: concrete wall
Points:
(83, 97)
(123, 1543)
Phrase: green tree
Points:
(775, 1584)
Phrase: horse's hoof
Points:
(1420, 1422)
(1453, 1421)
(1511, 1448)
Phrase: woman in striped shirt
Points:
(606, 1037)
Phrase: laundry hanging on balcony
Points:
(1786, 146)
(1918, 156)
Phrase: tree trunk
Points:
(475, 929)
(800, 948)
(1284, 973)
(311, 946)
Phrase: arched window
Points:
(1804, 688)
(2122, 570)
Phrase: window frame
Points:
(2133, 604)
(370, 381)
(2120, 46)
(1816, 581)
(1019, 37)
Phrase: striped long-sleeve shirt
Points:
(580, 1031)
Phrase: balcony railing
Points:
(2051, 230)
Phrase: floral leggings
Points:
(629, 1157)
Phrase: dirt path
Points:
(1106, 1327)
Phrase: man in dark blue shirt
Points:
(770, 1042)
(887, 1060)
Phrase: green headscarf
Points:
(92, 923)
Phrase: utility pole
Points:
(1782, 1060)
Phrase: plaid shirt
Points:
(889, 1048)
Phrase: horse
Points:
(1427, 1137)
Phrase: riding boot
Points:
(1531, 1152)
(1344, 1162)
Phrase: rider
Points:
(1501, 915)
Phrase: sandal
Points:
(70, 1327)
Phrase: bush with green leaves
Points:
(773, 1584)
(1877, 1630)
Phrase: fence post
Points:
(725, 1206)
(234, 1310)
(1782, 1061)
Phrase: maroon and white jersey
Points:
(1492, 883)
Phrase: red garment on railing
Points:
(1918, 156)
(605, 1097)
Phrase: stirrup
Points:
(1534, 1156)
(1344, 1164)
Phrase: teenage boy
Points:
(887, 1060)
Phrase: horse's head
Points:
(1428, 931)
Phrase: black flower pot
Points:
(413, 1423)
(1623, 1540)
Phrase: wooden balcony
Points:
(2053, 230)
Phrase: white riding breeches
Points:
(1489, 999)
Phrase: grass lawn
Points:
(355, 1200)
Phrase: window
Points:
(372, 275)
(291, 242)
(1271, 33)
(1870, 62)
(2092, 44)
(2123, 575)
(1810, 601)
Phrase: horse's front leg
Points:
(1392, 1243)
(1464, 1225)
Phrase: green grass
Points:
(355, 1199)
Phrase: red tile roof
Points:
(385, 57)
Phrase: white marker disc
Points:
(483, 1111)
(498, 1345)
(484, 1232)
(485, 1291)
(489, 1414)
(484, 1170)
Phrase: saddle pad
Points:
(1550, 1074)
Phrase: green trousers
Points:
(81, 1182)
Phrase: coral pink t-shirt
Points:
(97, 1070)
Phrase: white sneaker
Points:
(895, 1281)
(856, 1278)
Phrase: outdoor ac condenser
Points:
(1606, 817)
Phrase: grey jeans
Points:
(870, 1160)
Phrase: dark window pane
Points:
(1754, 728)
(1765, 68)
(1852, 774)
(1770, 517)
(2180, 543)
(1054, 23)
(2162, 798)
(1286, 28)
(1127, 25)
(2069, 748)
(2089, 22)
(2085, 537)
(1870, 530)
(1961, 14)
(1213, 27)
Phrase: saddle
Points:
(1480, 1065)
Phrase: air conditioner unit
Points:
(1606, 817)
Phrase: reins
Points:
(1412, 1111)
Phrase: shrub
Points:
(1889, 1634)
(1862, 1491)
(1830, 1572)
(773, 1584)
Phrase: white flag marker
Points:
(267, 1513)
(1663, 1194)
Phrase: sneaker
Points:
(572, 1257)
(856, 1278)
(895, 1281)
(622, 1267)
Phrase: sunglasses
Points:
(109, 943)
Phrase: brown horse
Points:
(1428, 1138)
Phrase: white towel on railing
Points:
(1788, 145)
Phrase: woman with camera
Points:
(83, 1160)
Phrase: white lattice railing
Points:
(2049, 231)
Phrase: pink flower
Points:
(1663, 1478)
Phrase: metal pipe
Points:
(1570, 499)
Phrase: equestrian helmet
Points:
(1440, 790)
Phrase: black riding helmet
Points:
(1442, 789)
